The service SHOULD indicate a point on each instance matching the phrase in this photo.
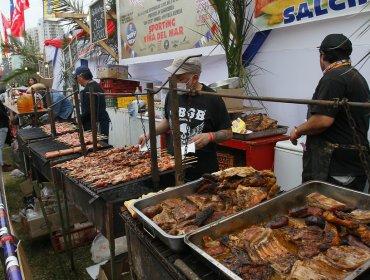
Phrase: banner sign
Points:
(280, 13)
(48, 9)
(158, 26)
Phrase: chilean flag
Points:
(17, 17)
(6, 26)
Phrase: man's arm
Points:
(314, 125)
(202, 139)
(160, 128)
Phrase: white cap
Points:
(192, 65)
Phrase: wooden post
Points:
(34, 106)
(50, 114)
(153, 138)
(93, 119)
(79, 123)
(179, 176)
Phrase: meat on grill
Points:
(303, 212)
(347, 257)
(323, 202)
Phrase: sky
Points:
(31, 15)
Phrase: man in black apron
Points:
(331, 153)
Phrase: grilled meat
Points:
(315, 221)
(165, 219)
(347, 257)
(248, 197)
(203, 201)
(326, 203)
(303, 212)
(353, 241)
(201, 217)
(362, 216)
(363, 232)
(183, 211)
(278, 222)
(330, 217)
(214, 247)
(315, 269)
(151, 211)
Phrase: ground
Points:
(43, 262)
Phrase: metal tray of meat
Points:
(267, 210)
(174, 242)
(260, 134)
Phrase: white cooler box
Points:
(288, 164)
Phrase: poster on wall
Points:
(269, 14)
(159, 26)
(48, 9)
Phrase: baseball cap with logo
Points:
(192, 65)
(336, 42)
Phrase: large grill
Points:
(29, 135)
(152, 257)
(43, 165)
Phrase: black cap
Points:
(336, 42)
(81, 70)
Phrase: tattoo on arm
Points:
(222, 135)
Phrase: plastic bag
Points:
(100, 248)
(16, 173)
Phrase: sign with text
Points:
(74, 50)
(98, 22)
(160, 26)
(269, 14)
(48, 9)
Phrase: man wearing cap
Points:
(204, 120)
(84, 77)
(331, 154)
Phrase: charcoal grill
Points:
(28, 135)
(152, 259)
(43, 165)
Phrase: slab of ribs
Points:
(222, 194)
(325, 239)
(114, 166)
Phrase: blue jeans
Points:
(3, 133)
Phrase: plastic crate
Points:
(79, 237)
(111, 102)
(116, 83)
(122, 102)
(225, 160)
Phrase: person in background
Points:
(62, 110)
(331, 154)
(31, 82)
(85, 78)
(204, 120)
(4, 126)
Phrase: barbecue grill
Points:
(43, 165)
(152, 259)
(28, 135)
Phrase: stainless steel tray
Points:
(174, 242)
(260, 134)
(268, 209)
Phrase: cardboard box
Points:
(232, 103)
(37, 227)
(122, 269)
(112, 71)
(26, 187)
(23, 263)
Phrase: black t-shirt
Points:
(343, 82)
(206, 114)
(100, 106)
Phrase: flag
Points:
(6, 26)
(17, 17)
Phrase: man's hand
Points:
(294, 135)
(142, 139)
(200, 140)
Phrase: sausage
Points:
(315, 221)
(52, 154)
(303, 212)
(278, 222)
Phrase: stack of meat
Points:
(114, 166)
(59, 127)
(73, 140)
(259, 122)
(324, 240)
(222, 194)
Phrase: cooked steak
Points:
(248, 197)
(151, 211)
(184, 211)
(347, 257)
(326, 203)
(165, 219)
(315, 269)
(303, 212)
(362, 216)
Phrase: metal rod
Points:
(79, 123)
(110, 236)
(34, 106)
(174, 98)
(50, 114)
(153, 138)
(276, 99)
(93, 119)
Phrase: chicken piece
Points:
(330, 217)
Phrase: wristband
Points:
(211, 137)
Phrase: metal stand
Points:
(79, 123)
(93, 119)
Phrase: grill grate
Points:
(27, 134)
